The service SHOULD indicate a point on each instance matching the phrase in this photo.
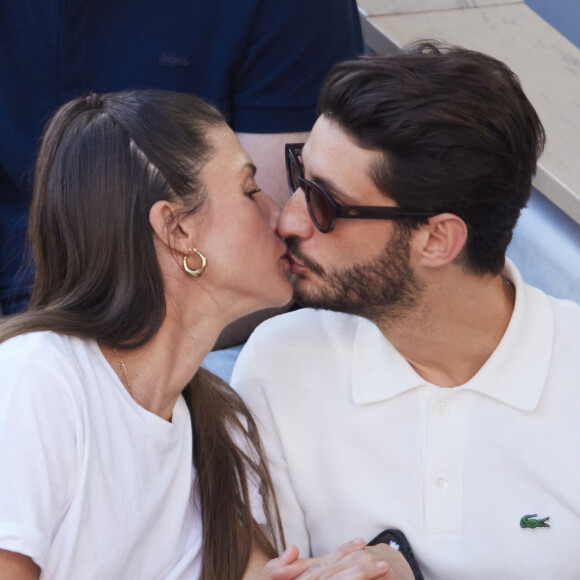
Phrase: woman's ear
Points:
(441, 240)
(164, 219)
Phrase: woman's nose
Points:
(271, 210)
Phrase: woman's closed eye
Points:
(253, 192)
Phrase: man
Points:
(449, 407)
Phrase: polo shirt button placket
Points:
(443, 483)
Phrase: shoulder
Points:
(309, 318)
(43, 348)
(28, 343)
(565, 311)
(303, 328)
(42, 366)
(566, 323)
(554, 322)
(563, 314)
(32, 348)
(295, 350)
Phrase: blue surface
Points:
(546, 248)
(221, 362)
(546, 244)
(563, 15)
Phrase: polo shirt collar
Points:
(514, 374)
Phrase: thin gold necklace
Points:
(126, 383)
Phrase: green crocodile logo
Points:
(528, 522)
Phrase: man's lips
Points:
(296, 267)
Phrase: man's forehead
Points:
(327, 134)
(331, 155)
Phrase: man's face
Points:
(362, 266)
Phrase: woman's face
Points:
(247, 266)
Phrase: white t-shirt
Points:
(92, 486)
(359, 442)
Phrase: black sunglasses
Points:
(323, 209)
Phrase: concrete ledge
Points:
(547, 63)
(381, 7)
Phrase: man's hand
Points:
(399, 568)
(356, 561)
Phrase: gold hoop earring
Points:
(201, 269)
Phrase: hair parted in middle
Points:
(456, 132)
(103, 163)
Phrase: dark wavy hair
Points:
(456, 132)
(104, 161)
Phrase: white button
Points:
(441, 483)
(443, 408)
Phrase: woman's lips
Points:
(286, 259)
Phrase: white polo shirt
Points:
(359, 442)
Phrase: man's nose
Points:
(295, 220)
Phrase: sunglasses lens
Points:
(321, 211)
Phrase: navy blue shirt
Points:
(260, 61)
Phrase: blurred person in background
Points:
(261, 62)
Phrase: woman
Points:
(149, 234)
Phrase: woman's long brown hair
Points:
(104, 161)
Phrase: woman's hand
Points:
(351, 561)
(286, 567)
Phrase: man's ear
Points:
(164, 219)
(441, 240)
